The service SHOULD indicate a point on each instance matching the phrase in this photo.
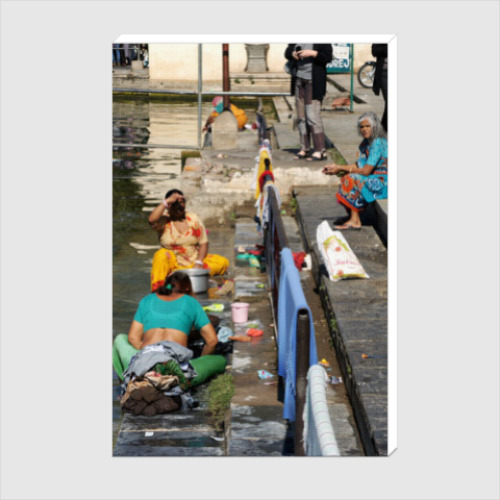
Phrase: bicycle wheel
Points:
(366, 74)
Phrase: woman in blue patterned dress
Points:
(365, 180)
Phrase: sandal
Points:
(322, 157)
(340, 221)
(300, 156)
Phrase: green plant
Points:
(252, 81)
(237, 80)
(294, 205)
(232, 217)
(220, 392)
(333, 324)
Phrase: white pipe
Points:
(319, 437)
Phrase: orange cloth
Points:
(239, 114)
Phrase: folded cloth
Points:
(140, 389)
(214, 308)
(162, 382)
(298, 258)
(224, 333)
(163, 404)
(143, 398)
(160, 352)
(134, 407)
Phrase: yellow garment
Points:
(239, 114)
(165, 262)
(264, 154)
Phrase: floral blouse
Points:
(185, 245)
(374, 154)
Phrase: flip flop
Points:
(340, 221)
(345, 227)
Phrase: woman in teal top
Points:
(169, 314)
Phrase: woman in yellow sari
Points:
(183, 238)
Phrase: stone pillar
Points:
(257, 57)
(225, 131)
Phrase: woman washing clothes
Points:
(167, 314)
(218, 104)
(183, 238)
(365, 180)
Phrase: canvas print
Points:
(250, 239)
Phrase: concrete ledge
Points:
(356, 312)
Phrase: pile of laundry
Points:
(159, 378)
(145, 395)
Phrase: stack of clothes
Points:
(145, 395)
(159, 377)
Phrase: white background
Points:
(56, 251)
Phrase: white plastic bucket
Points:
(239, 312)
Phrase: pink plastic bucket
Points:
(239, 312)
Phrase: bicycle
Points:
(366, 74)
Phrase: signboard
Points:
(341, 61)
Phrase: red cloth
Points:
(298, 258)
(263, 176)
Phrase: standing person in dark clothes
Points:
(309, 87)
(379, 50)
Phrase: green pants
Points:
(205, 366)
(123, 352)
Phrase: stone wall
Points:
(179, 61)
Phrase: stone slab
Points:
(250, 287)
(225, 131)
(372, 288)
(284, 111)
(246, 234)
(286, 137)
(370, 310)
(166, 451)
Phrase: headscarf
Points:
(218, 104)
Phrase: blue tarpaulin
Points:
(291, 300)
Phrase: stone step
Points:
(181, 432)
(356, 312)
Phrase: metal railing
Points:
(275, 240)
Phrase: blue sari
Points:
(357, 190)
